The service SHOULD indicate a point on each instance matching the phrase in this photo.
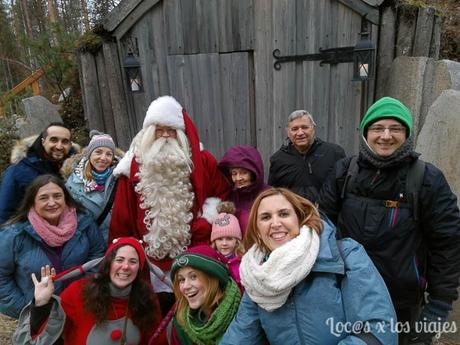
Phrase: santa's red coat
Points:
(128, 217)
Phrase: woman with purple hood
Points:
(244, 167)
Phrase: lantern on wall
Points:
(363, 58)
(133, 67)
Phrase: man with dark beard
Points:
(168, 188)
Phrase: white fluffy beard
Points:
(166, 195)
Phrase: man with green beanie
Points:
(404, 213)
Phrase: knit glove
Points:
(431, 319)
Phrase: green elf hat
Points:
(205, 259)
(386, 108)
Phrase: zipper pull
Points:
(376, 176)
(309, 168)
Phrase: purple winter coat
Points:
(249, 158)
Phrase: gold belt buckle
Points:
(391, 203)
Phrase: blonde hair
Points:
(239, 248)
(306, 212)
(213, 295)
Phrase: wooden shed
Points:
(216, 58)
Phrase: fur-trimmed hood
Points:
(21, 146)
(70, 163)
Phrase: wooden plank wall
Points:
(215, 89)
(215, 57)
(302, 27)
(416, 32)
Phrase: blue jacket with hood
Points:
(22, 252)
(342, 301)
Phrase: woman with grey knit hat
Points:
(91, 181)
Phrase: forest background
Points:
(47, 34)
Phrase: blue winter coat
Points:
(16, 179)
(93, 201)
(21, 254)
(342, 291)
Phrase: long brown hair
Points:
(213, 295)
(306, 212)
(142, 302)
(28, 200)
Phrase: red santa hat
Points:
(165, 111)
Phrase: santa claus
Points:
(168, 188)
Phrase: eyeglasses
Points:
(391, 129)
(160, 131)
(303, 128)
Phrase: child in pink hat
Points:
(226, 238)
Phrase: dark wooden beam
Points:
(372, 13)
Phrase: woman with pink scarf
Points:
(48, 229)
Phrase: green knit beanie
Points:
(385, 108)
(205, 259)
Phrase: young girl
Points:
(226, 237)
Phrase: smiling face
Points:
(49, 202)
(226, 245)
(301, 132)
(101, 158)
(124, 267)
(277, 222)
(57, 143)
(386, 142)
(241, 177)
(192, 286)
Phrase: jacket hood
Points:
(246, 157)
(22, 146)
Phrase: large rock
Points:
(39, 112)
(438, 141)
(418, 82)
(406, 83)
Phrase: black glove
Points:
(430, 322)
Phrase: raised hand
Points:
(45, 287)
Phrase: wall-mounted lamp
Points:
(362, 56)
(132, 66)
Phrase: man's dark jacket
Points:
(19, 175)
(412, 255)
(304, 174)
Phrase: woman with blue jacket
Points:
(48, 229)
(91, 181)
(304, 287)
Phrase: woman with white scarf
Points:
(304, 287)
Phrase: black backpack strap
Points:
(350, 177)
(414, 180)
(108, 205)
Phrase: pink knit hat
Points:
(225, 225)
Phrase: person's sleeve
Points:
(245, 329)
(440, 220)
(50, 330)
(96, 241)
(339, 153)
(272, 174)
(12, 299)
(10, 195)
(367, 303)
(329, 196)
(217, 190)
(219, 185)
(124, 211)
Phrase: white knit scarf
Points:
(269, 283)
